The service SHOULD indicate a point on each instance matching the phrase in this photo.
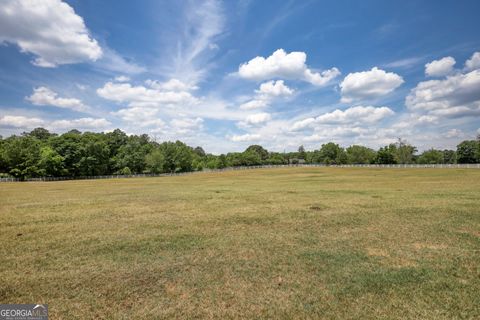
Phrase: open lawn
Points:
(329, 243)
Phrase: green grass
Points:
(329, 243)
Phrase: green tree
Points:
(332, 153)
(178, 156)
(96, 156)
(251, 158)
(199, 152)
(259, 150)
(386, 155)
(132, 154)
(404, 152)
(301, 153)
(478, 148)
(70, 146)
(314, 157)
(51, 163)
(467, 151)
(21, 156)
(431, 156)
(360, 155)
(449, 156)
(115, 140)
(276, 158)
(41, 134)
(222, 161)
(155, 161)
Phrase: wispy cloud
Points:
(195, 41)
(405, 63)
(115, 63)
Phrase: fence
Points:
(144, 175)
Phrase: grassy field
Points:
(327, 243)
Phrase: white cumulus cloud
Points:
(474, 62)
(48, 29)
(257, 118)
(454, 133)
(369, 84)
(186, 125)
(285, 65)
(439, 68)
(20, 121)
(254, 104)
(43, 96)
(274, 89)
(155, 95)
(245, 137)
(455, 96)
(353, 115)
(267, 92)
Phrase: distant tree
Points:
(404, 152)
(360, 155)
(198, 164)
(178, 156)
(51, 163)
(199, 151)
(314, 157)
(115, 140)
(21, 156)
(155, 161)
(70, 146)
(222, 161)
(251, 158)
(96, 157)
(259, 150)
(467, 151)
(276, 158)
(332, 153)
(449, 156)
(74, 131)
(431, 156)
(40, 133)
(132, 154)
(478, 148)
(301, 153)
(211, 162)
(386, 155)
(126, 171)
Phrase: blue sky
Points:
(227, 74)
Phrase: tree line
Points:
(40, 153)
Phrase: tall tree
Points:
(21, 156)
(431, 156)
(41, 134)
(70, 146)
(467, 151)
(155, 161)
(301, 153)
(386, 155)
(199, 151)
(404, 152)
(259, 150)
(178, 156)
(449, 156)
(332, 153)
(360, 155)
(51, 163)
